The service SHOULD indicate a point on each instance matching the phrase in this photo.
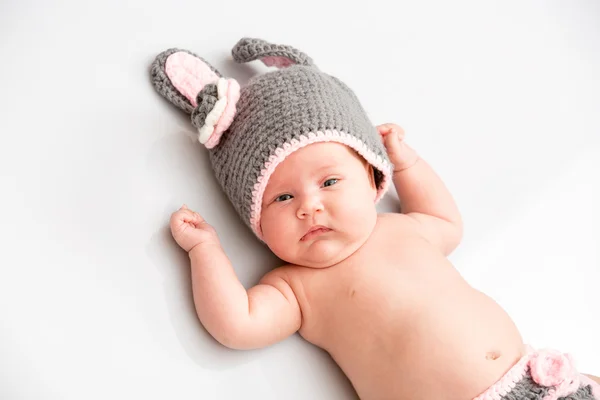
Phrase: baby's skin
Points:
(376, 291)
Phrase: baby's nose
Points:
(309, 207)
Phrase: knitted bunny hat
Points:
(249, 131)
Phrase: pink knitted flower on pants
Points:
(551, 368)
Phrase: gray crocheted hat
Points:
(250, 130)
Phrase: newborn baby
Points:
(376, 291)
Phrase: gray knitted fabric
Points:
(161, 82)
(275, 110)
(248, 49)
(528, 389)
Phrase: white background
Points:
(502, 98)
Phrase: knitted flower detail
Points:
(215, 110)
(195, 86)
(551, 368)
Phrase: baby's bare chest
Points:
(368, 296)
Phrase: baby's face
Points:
(323, 185)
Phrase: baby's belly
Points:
(419, 338)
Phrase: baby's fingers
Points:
(384, 129)
(185, 215)
(387, 129)
(185, 210)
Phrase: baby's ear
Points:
(272, 55)
(372, 179)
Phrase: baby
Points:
(376, 291)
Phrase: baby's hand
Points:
(401, 155)
(189, 229)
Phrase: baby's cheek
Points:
(267, 225)
(360, 213)
(274, 228)
(271, 238)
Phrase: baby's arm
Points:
(423, 195)
(238, 319)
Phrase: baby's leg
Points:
(594, 382)
(594, 378)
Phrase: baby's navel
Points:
(492, 355)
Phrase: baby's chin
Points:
(323, 253)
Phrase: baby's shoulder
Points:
(289, 273)
(392, 231)
(291, 279)
(395, 222)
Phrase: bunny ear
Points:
(195, 86)
(179, 75)
(277, 55)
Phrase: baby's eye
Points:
(330, 182)
(284, 197)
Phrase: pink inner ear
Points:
(277, 61)
(188, 74)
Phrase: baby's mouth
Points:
(314, 232)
